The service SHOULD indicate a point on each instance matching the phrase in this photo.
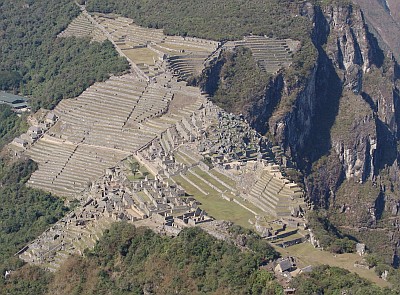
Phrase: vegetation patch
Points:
(129, 260)
(34, 62)
(240, 82)
(333, 280)
(25, 213)
(352, 204)
(352, 112)
(11, 125)
(329, 237)
(215, 205)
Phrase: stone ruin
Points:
(167, 127)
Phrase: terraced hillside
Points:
(66, 169)
(271, 54)
(274, 194)
(149, 47)
(76, 240)
(168, 127)
(101, 127)
(82, 27)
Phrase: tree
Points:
(134, 168)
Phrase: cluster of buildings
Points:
(35, 131)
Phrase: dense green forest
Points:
(235, 81)
(24, 212)
(129, 260)
(11, 125)
(334, 280)
(36, 63)
(213, 19)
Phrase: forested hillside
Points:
(24, 212)
(36, 63)
(202, 18)
(129, 260)
(11, 125)
(236, 82)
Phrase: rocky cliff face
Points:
(349, 103)
(292, 129)
(339, 123)
(344, 123)
(383, 17)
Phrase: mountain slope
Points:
(383, 16)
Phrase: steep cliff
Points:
(339, 122)
(348, 104)
(383, 16)
(354, 130)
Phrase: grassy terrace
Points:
(179, 158)
(141, 55)
(231, 183)
(182, 158)
(214, 205)
(308, 255)
(223, 177)
(210, 179)
(144, 196)
(181, 47)
(140, 174)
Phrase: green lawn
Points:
(223, 177)
(144, 196)
(180, 157)
(215, 206)
(141, 174)
(223, 188)
(308, 255)
(210, 179)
